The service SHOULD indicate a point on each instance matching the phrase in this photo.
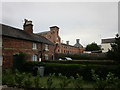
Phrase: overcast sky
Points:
(87, 21)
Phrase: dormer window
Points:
(34, 46)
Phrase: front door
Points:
(15, 62)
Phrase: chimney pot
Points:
(77, 40)
(67, 42)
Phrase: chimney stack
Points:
(54, 29)
(28, 26)
(67, 42)
(77, 41)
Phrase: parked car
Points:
(65, 58)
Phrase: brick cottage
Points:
(37, 46)
(15, 40)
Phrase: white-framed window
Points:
(34, 46)
(46, 47)
(46, 56)
(34, 57)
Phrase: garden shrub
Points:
(100, 82)
(50, 81)
(110, 81)
(19, 77)
(64, 81)
(26, 80)
(78, 81)
(8, 78)
(37, 81)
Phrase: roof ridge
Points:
(21, 34)
(12, 27)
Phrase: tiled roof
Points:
(78, 45)
(21, 34)
(110, 40)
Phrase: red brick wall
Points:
(60, 48)
(54, 37)
(50, 53)
(12, 46)
(69, 49)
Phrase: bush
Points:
(8, 78)
(78, 82)
(28, 81)
(50, 81)
(110, 81)
(64, 81)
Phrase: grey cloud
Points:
(76, 20)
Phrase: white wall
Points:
(105, 47)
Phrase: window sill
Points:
(34, 49)
(46, 49)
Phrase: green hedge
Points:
(85, 56)
(72, 69)
(83, 70)
(99, 62)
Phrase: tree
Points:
(92, 47)
(114, 53)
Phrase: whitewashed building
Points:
(106, 44)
